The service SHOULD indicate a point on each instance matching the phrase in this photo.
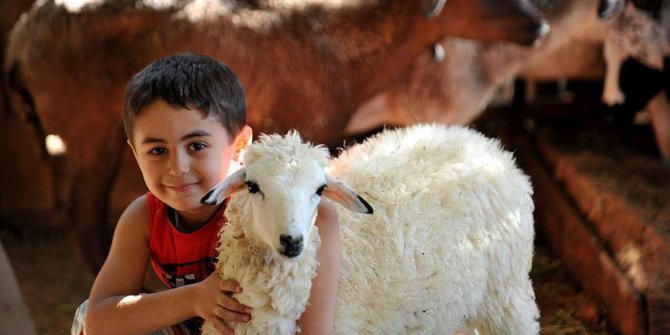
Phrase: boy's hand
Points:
(214, 303)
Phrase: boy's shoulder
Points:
(140, 203)
(136, 214)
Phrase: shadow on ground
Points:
(54, 280)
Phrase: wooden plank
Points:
(14, 316)
(625, 197)
(658, 306)
(575, 242)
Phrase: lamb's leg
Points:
(659, 112)
(612, 94)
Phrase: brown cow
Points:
(21, 177)
(304, 64)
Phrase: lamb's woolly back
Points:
(453, 215)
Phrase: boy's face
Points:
(182, 156)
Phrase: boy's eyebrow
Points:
(197, 133)
(149, 140)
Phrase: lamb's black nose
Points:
(292, 245)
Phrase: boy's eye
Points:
(197, 146)
(319, 191)
(157, 151)
(253, 187)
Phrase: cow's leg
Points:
(91, 183)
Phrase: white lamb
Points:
(449, 246)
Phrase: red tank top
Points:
(181, 258)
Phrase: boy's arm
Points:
(115, 305)
(319, 316)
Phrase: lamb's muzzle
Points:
(292, 245)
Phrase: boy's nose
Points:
(179, 165)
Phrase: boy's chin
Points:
(186, 202)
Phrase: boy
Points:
(185, 121)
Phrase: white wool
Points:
(449, 246)
(453, 219)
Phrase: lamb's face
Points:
(284, 203)
(285, 178)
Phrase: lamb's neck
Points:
(272, 284)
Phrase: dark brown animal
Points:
(304, 65)
(581, 44)
(22, 175)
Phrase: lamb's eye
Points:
(319, 191)
(253, 187)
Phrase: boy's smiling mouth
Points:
(181, 187)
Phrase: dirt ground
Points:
(51, 273)
(54, 280)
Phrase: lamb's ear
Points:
(343, 195)
(232, 184)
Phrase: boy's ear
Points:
(243, 138)
(133, 149)
(137, 160)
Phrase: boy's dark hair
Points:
(189, 81)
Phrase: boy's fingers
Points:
(230, 286)
(233, 305)
(227, 314)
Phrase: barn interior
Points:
(599, 164)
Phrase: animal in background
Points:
(581, 44)
(647, 89)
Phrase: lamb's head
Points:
(286, 179)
